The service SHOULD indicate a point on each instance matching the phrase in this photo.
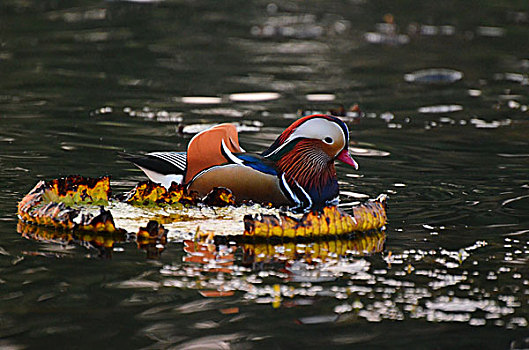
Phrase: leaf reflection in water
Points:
(152, 239)
(218, 270)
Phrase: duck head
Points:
(305, 153)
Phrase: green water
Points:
(83, 80)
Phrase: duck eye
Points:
(328, 140)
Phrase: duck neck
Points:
(312, 169)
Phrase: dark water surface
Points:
(81, 81)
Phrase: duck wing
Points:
(162, 162)
(211, 147)
(161, 167)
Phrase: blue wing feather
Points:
(258, 163)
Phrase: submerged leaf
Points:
(152, 238)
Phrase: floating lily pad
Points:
(331, 221)
(69, 204)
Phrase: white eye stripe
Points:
(315, 129)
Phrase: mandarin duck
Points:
(297, 170)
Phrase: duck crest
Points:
(290, 130)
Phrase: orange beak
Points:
(346, 158)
